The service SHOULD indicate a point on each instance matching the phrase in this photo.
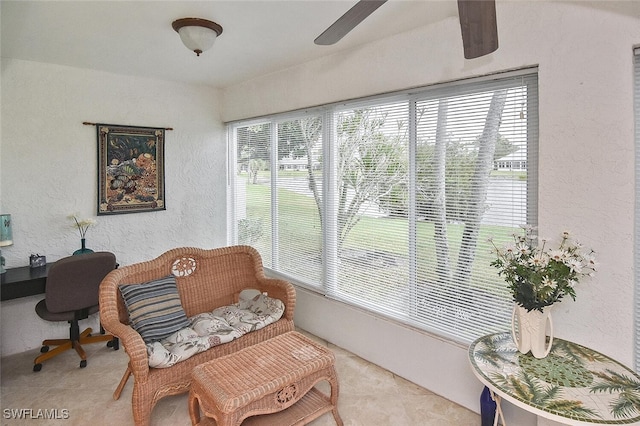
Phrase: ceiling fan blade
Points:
(348, 21)
(479, 27)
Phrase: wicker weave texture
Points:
(206, 279)
(268, 377)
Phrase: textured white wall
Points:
(49, 170)
(584, 54)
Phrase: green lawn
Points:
(300, 233)
(374, 267)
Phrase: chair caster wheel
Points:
(37, 367)
(44, 349)
(115, 344)
(83, 363)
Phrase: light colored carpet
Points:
(369, 395)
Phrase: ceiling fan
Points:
(477, 22)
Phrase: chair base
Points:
(63, 345)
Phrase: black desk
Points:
(24, 281)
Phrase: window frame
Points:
(328, 284)
(636, 104)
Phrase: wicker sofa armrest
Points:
(282, 290)
(110, 320)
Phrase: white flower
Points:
(523, 249)
(535, 273)
(82, 224)
(557, 255)
(574, 264)
(549, 282)
(509, 249)
(86, 222)
(538, 260)
(590, 261)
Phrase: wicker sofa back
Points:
(206, 279)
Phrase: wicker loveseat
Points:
(205, 279)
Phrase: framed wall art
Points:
(130, 169)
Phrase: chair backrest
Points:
(206, 279)
(73, 282)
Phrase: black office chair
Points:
(71, 294)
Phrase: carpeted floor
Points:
(369, 395)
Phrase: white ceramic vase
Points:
(529, 330)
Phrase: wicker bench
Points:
(275, 376)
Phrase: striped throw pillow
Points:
(154, 308)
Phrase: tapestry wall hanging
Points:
(130, 169)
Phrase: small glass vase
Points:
(83, 249)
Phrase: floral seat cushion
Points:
(209, 329)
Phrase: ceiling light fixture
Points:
(197, 34)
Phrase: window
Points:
(388, 202)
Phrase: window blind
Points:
(388, 202)
(299, 204)
(474, 181)
(371, 226)
(253, 218)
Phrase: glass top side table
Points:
(573, 385)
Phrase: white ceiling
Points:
(136, 37)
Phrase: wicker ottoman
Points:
(275, 379)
